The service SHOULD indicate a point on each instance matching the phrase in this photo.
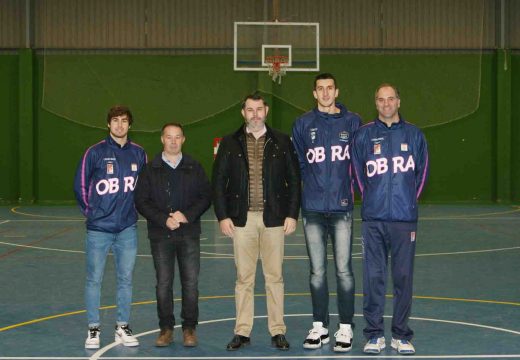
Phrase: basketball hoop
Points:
(277, 65)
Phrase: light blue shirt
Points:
(173, 165)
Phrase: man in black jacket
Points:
(256, 186)
(172, 193)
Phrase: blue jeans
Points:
(124, 249)
(317, 228)
(187, 252)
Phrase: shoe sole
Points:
(342, 349)
(370, 351)
(90, 347)
(163, 344)
(117, 339)
(316, 346)
(235, 349)
(402, 352)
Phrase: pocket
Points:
(232, 205)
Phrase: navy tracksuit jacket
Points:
(391, 167)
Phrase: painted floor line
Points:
(213, 297)
(61, 219)
(98, 355)
(489, 356)
(215, 255)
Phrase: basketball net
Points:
(277, 65)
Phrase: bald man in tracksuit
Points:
(390, 159)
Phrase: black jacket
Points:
(281, 179)
(152, 197)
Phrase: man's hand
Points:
(179, 217)
(227, 227)
(172, 224)
(289, 225)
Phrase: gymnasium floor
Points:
(466, 303)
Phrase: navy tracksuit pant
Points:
(381, 238)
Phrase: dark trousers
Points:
(378, 239)
(187, 253)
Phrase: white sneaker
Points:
(343, 338)
(374, 345)
(318, 335)
(124, 335)
(403, 346)
(92, 341)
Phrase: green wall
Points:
(515, 128)
(8, 128)
(452, 97)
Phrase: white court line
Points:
(324, 357)
(357, 220)
(98, 354)
(366, 357)
(4, 222)
(289, 257)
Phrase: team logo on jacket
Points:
(412, 236)
(398, 164)
(134, 167)
(313, 134)
(404, 147)
(110, 168)
(343, 136)
(111, 185)
(344, 202)
(377, 149)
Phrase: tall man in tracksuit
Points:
(390, 158)
(322, 138)
(104, 187)
(172, 194)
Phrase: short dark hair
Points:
(388, 85)
(119, 110)
(324, 76)
(172, 124)
(255, 96)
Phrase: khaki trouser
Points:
(250, 241)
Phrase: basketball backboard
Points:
(254, 42)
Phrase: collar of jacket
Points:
(394, 126)
(323, 115)
(240, 134)
(113, 143)
(186, 161)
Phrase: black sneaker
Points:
(318, 336)
(237, 342)
(280, 342)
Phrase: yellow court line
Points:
(15, 211)
(467, 300)
(215, 297)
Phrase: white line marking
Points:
(100, 352)
(4, 222)
(324, 357)
(365, 357)
(41, 248)
(212, 255)
(357, 220)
